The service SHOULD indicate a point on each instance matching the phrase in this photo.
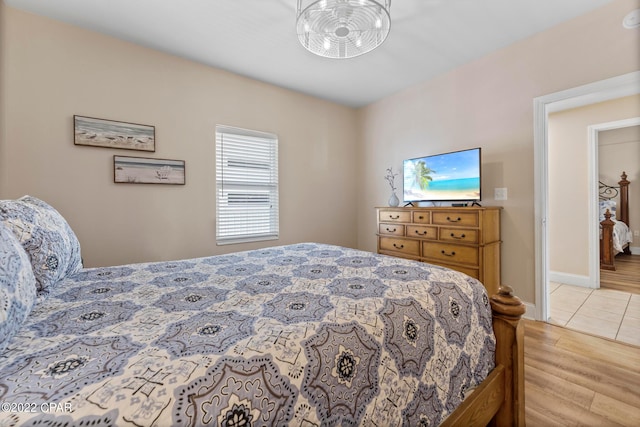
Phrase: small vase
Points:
(393, 200)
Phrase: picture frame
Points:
(144, 170)
(105, 133)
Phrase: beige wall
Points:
(53, 71)
(489, 103)
(569, 180)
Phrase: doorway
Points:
(618, 145)
(625, 85)
(576, 300)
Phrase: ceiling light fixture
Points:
(632, 20)
(342, 28)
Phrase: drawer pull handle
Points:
(398, 247)
(454, 220)
(424, 233)
(420, 217)
(462, 236)
(446, 254)
(394, 217)
(391, 231)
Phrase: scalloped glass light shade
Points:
(342, 28)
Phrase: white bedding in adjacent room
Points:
(622, 235)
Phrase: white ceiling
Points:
(257, 38)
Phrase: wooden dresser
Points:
(464, 239)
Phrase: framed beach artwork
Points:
(141, 170)
(111, 134)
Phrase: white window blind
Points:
(246, 185)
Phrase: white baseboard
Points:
(571, 279)
(568, 279)
(531, 311)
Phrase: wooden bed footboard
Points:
(606, 243)
(509, 330)
(499, 400)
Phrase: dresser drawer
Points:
(447, 252)
(469, 271)
(391, 229)
(406, 246)
(465, 235)
(422, 217)
(461, 218)
(422, 231)
(395, 216)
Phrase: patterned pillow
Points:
(607, 204)
(17, 286)
(53, 248)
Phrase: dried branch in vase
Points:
(391, 178)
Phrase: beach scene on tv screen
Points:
(450, 176)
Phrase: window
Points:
(246, 186)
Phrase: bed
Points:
(304, 335)
(615, 234)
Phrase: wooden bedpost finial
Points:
(506, 304)
(624, 180)
(607, 219)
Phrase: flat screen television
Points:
(446, 177)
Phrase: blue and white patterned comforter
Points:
(300, 335)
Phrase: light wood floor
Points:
(626, 277)
(575, 379)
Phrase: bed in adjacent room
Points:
(303, 335)
(615, 234)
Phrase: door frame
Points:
(603, 90)
(594, 227)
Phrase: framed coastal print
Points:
(141, 170)
(112, 134)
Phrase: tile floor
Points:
(604, 312)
